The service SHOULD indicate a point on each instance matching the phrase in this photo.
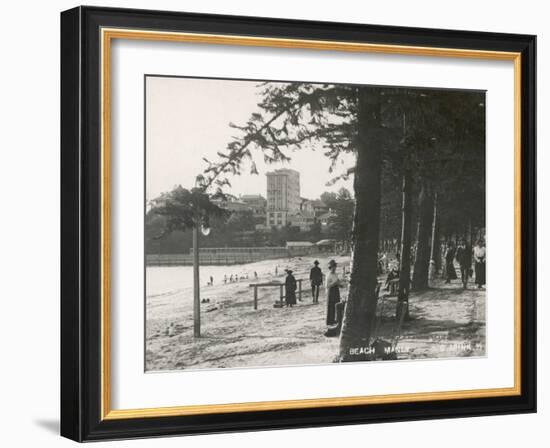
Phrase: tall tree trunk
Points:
(360, 311)
(422, 260)
(437, 252)
(405, 262)
(470, 233)
(433, 244)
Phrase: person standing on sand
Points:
(464, 258)
(333, 292)
(290, 289)
(393, 274)
(316, 279)
(450, 272)
(479, 262)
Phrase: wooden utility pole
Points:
(196, 284)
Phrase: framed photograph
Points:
(276, 224)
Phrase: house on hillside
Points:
(324, 219)
(304, 220)
(258, 205)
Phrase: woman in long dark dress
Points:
(333, 293)
(290, 289)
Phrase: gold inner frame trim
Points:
(107, 35)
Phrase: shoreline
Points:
(178, 280)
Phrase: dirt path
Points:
(446, 322)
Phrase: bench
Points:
(281, 286)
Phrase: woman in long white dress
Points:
(333, 292)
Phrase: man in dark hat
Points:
(316, 279)
(290, 288)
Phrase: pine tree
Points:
(440, 146)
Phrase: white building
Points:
(283, 196)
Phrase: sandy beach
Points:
(446, 321)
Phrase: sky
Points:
(188, 119)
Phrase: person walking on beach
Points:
(290, 289)
(479, 263)
(450, 272)
(464, 258)
(333, 292)
(316, 279)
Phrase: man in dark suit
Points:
(316, 279)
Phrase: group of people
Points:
(233, 278)
(463, 254)
(332, 285)
(386, 263)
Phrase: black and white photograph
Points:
(304, 223)
(275, 224)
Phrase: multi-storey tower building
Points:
(283, 196)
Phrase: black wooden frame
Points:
(81, 225)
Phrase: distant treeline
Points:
(239, 229)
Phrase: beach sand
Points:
(446, 322)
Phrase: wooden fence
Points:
(281, 287)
